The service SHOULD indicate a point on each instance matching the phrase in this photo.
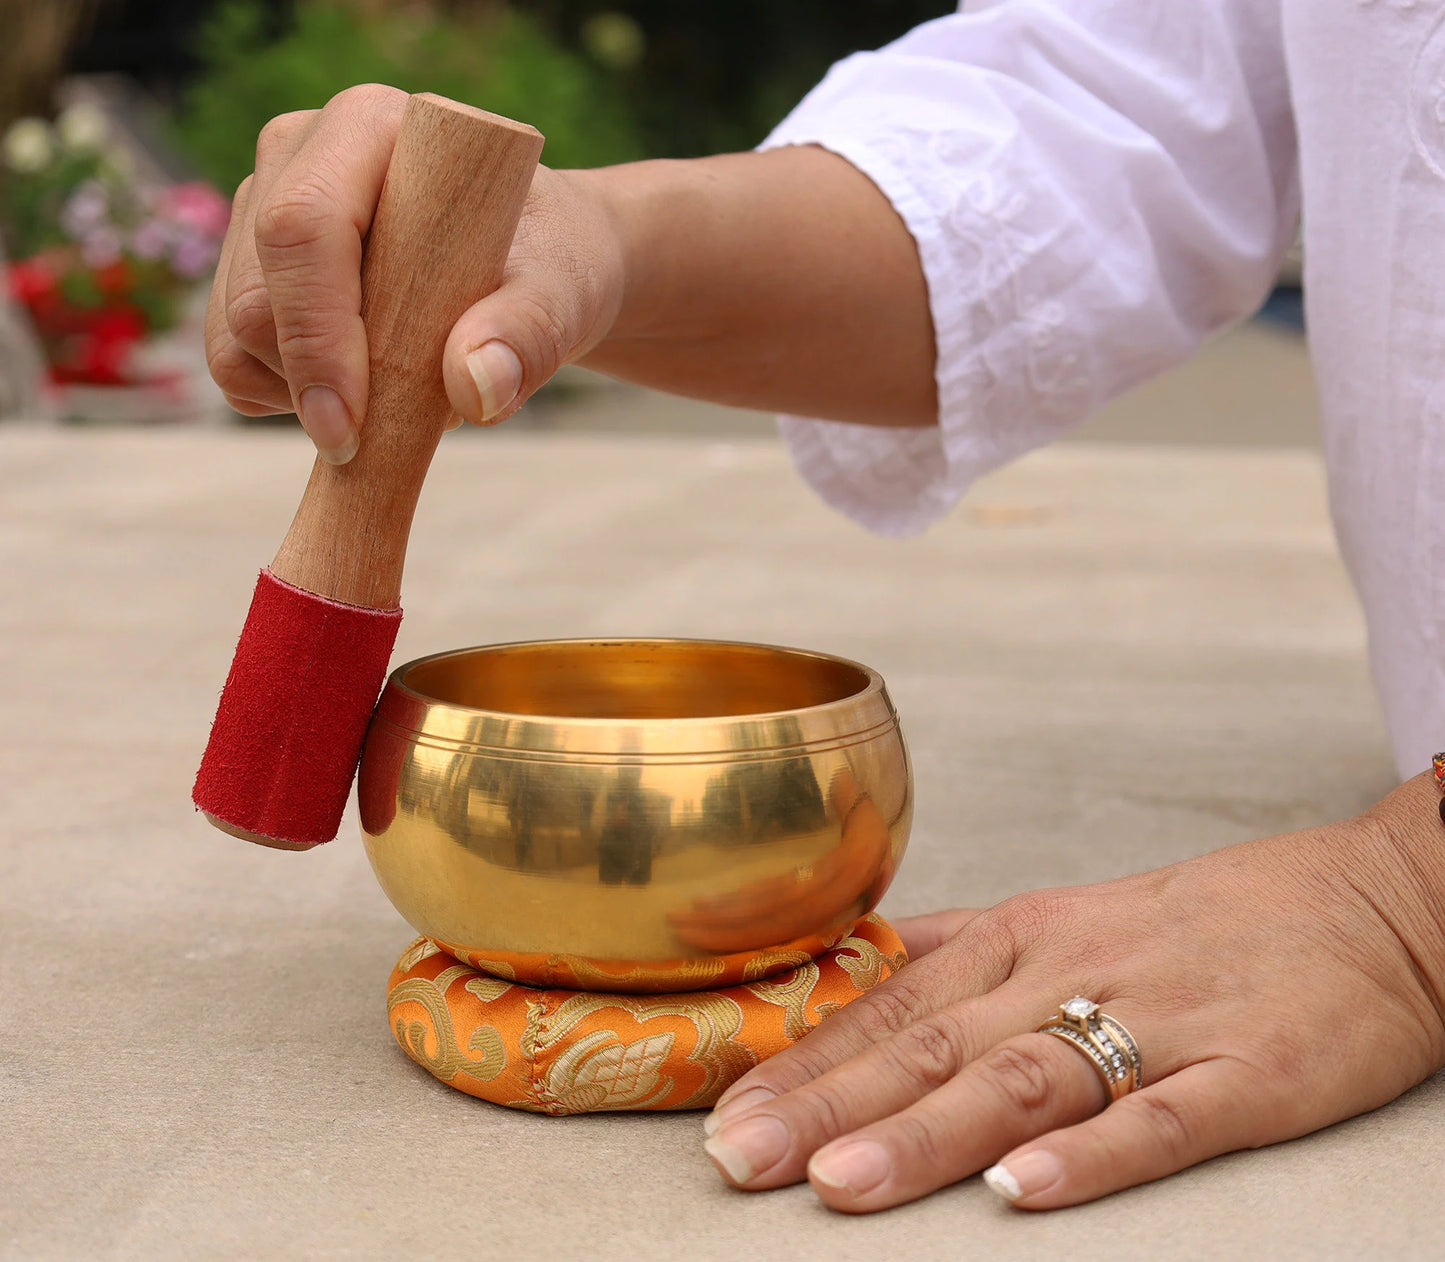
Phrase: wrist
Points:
(624, 201)
(1395, 856)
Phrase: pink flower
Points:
(198, 206)
(151, 240)
(195, 256)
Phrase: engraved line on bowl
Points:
(581, 722)
(615, 758)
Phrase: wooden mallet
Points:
(314, 650)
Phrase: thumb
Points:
(507, 346)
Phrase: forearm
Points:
(781, 280)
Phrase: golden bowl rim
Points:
(875, 686)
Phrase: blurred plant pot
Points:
(105, 266)
(102, 360)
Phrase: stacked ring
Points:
(1109, 1047)
(1439, 764)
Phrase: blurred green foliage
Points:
(717, 75)
(604, 80)
(497, 58)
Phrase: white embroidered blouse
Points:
(1097, 185)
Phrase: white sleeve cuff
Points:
(1082, 221)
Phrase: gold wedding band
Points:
(1110, 1048)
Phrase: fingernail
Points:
(859, 1167)
(1028, 1174)
(328, 424)
(749, 1147)
(453, 422)
(731, 1107)
(498, 375)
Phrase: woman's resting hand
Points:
(1273, 988)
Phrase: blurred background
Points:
(128, 124)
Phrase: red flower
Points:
(99, 354)
(106, 351)
(115, 279)
(32, 282)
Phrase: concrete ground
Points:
(1114, 655)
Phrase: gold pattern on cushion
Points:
(568, 1051)
(870, 965)
(598, 1073)
(791, 994)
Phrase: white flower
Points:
(82, 128)
(27, 145)
(86, 209)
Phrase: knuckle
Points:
(306, 341)
(804, 1064)
(1283, 1059)
(891, 1009)
(1019, 1075)
(246, 384)
(547, 333)
(988, 942)
(926, 1053)
(369, 97)
(1027, 916)
(1171, 1122)
(826, 1108)
(282, 131)
(249, 315)
(1200, 993)
(292, 219)
(924, 1138)
(1264, 1077)
(221, 353)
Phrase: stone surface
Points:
(1108, 659)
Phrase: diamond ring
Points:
(1109, 1047)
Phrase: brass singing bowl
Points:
(634, 814)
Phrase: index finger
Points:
(922, 934)
(309, 234)
(974, 962)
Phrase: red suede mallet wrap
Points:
(293, 715)
(314, 651)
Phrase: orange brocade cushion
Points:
(571, 1051)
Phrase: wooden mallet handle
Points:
(315, 647)
(439, 241)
